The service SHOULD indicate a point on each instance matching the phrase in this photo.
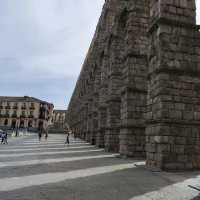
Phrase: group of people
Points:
(4, 137)
(44, 131)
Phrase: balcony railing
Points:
(7, 107)
(30, 116)
(22, 116)
(23, 108)
(32, 108)
(15, 107)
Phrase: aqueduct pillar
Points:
(134, 90)
(173, 130)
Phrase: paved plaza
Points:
(50, 170)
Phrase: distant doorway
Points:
(13, 124)
(30, 124)
(22, 124)
(6, 122)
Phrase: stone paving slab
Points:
(102, 178)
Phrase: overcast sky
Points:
(43, 44)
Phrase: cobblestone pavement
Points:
(51, 170)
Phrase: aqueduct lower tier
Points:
(138, 92)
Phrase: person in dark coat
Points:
(4, 138)
(40, 131)
(46, 133)
(67, 139)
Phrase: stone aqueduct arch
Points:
(139, 89)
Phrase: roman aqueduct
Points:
(138, 92)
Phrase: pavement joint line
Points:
(9, 184)
(41, 149)
(53, 160)
(38, 143)
(46, 142)
(34, 140)
(49, 153)
(42, 145)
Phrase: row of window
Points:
(9, 105)
(14, 123)
(23, 113)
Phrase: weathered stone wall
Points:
(114, 50)
(138, 92)
(173, 131)
(134, 90)
(85, 101)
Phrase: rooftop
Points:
(22, 99)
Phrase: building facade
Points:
(58, 117)
(24, 112)
(138, 90)
(59, 122)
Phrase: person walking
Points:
(16, 131)
(75, 136)
(46, 133)
(46, 130)
(40, 131)
(4, 138)
(67, 139)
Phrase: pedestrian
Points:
(4, 138)
(39, 135)
(75, 136)
(46, 134)
(16, 131)
(40, 131)
(67, 139)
